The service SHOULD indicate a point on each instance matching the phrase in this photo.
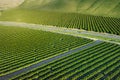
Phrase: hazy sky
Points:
(10, 3)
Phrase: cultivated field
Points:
(20, 47)
(95, 63)
(69, 20)
(60, 40)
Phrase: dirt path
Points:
(74, 32)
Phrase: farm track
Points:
(69, 31)
(8, 76)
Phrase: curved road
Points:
(68, 31)
(74, 32)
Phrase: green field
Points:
(60, 40)
(93, 7)
(69, 20)
(20, 47)
(96, 63)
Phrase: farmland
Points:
(68, 20)
(21, 46)
(60, 40)
(97, 62)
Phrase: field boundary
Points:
(8, 76)
(111, 38)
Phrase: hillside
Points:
(6, 4)
(93, 7)
(60, 40)
(64, 13)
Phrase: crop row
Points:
(20, 47)
(98, 62)
(68, 20)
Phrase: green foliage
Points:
(20, 47)
(96, 63)
(68, 20)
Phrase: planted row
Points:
(98, 62)
(68, 20)
(20, 47)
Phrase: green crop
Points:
(68, 20)
(98, 62)
(20, 47)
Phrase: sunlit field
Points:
(60, 40)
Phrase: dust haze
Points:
(6, 4)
